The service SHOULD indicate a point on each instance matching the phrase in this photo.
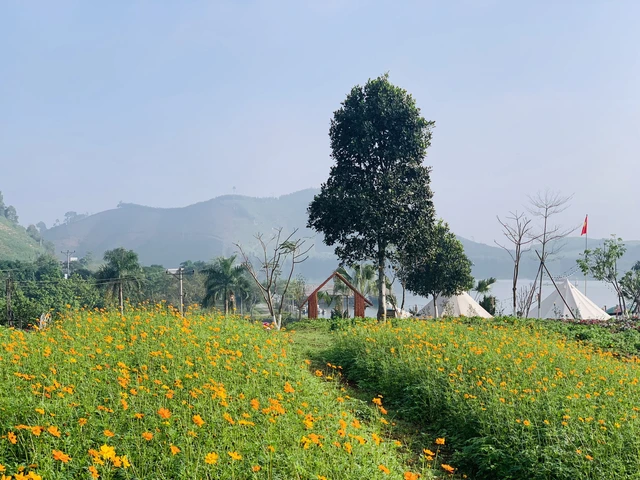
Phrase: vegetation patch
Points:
(514, 401)
(155, 395)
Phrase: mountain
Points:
(15, 244)
(169, 236)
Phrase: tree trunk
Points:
(435, 305)
(514, 288)
(226, 302)
(382, 288)
(121, 297)
(403, 295)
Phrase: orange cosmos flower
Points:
(147, 436)
(82, 422)
(94, 471)
(384, 469)
(447, 468)
(36, 431)
(411, 476)
(256, 468)
(109, 433)
(53, 430)
(60, 456)
(288, 388)
(439, 441)
(138, 415)
(164, 413)
(197, 419)
(12, 438)
(174, 450)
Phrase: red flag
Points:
(584, 226)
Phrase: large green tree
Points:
(120, 272)
(224, 281)
(442, 270)
(377, 197)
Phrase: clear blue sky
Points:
(170, 103)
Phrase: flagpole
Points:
(586, 243)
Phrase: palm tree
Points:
(483, 286)
(363, 276)
(224, 281)
(121, 271)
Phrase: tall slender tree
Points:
(120, 272)
(377, 197)
(225, 280)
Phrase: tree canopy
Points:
(443, 269)
(377, 197)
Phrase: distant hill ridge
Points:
(208, 229)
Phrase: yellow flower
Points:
(288, 388)
(82, 422)
(108, 433)
(107, 452)
(256, 468)
(526, 423)
(439, 441)
(60, 456)
(174, 450)
(94, 471)
(12, 438)
(235, 455)
(411, 476)
(384, 469)
(211, 458)
(53, 430)
(428, 452)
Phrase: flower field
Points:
(514, 401)
(153, 395)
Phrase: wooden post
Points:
(313, 306)
(358, 307)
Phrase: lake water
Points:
(599, 292)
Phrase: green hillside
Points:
(15, 244)
(205, 230)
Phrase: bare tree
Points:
(524, 298)
(517, 229)
(276, 253)
(545, 205)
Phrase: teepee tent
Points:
(462, 305)
(580, 305)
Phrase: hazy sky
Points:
(171, 103)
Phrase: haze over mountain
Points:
(205, 230)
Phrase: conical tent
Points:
(580, 305)
(462, 305)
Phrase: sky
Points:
(167, 103)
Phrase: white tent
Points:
(462, 305)
(580, 305)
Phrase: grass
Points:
(513, 400)
(154, 395)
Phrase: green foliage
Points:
(202, 385)
(488, 302)
(16, 244)
(120, 275)
(512, 399)
(483, 286)
(630, 285)
(377, 197)
(224, 281)
(602, 264)
(441, 270)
